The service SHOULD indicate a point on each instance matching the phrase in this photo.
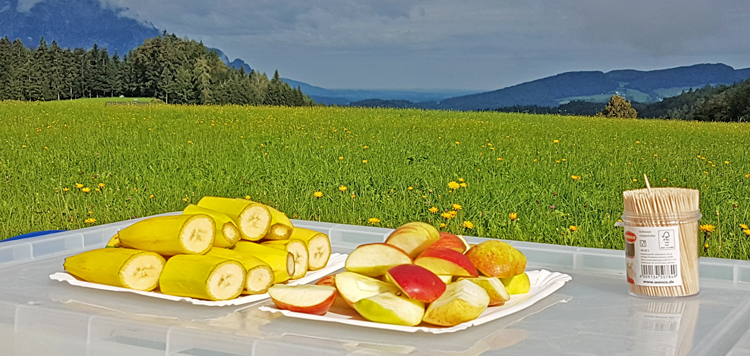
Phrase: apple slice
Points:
(416, 282)
(494, 288)
(518, 284)
(446, 278)
(496, 258)
(453, 242)
(376, 258)
(461, 302)
(441, 260)
(329, 280)
(354, 286)
(413, 237)
(310, 299)
(390, 308)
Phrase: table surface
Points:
(591, 315)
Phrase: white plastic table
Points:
(591, 315)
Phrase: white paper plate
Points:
(335, 262)
(543, 283)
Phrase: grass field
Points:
(66, 165)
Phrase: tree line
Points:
(174, 70)
(724, 103)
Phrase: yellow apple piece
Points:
(413, 237)
(518, 284)
(495, 258)
(375, 259)
(462, 301)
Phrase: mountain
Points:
(74, 24)
(596, 86)
(350, 96)
(236, 64)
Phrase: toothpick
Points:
(648, 185)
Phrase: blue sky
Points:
(447, 44)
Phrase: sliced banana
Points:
(226, 234)
(298, 249)
(203, 277)
(281, 226)
(252, 219)
(260, 275)
(281, 261)
(170, 235)
(119, 267)
(318, 247)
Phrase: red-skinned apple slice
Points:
(441, 260)
(375, 259)
(413, 237)
(329, 280)
(461, 302)
(310, 299)
(494, 287)
(453, 242)
(390, 308)
(354, 286)
(417, 282)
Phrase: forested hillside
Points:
(175, 70)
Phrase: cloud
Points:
(484, 41)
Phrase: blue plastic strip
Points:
(32, 234)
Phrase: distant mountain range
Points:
(83, 23)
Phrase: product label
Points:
(653, 255)
(657, 334)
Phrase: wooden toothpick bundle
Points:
(650, 215)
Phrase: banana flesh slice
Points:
(226, 234)
(318, 247)
(259, 274)
(252, 219)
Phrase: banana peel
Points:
(318, 246)
(226, 234)
(281, 261)
(203, 277)
(118, 267)
(171, 235)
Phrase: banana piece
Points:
(202, 276)
(171, 235)
(259, 274)
(281, 226)
(226, 234)
(119, 267)
(281, 261)
(114, 242)
(298, 249)
(318, 247)
(252, 219)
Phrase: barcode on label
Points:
(660, 326)
(654, 271)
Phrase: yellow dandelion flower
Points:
(341, 158)
(364, 161)
(744, 227)
(453, 185)
(513, 216)
(98, 190)
(556, 141)
(655, 155)
(247, 197)
(573, 228)
(366, 147)
(457, 207)
(726, 162)
(342, 188)
(458, 143)
(442, 224)
(79, 185)
(24, 146)
(635, 180)
(90, 221)
(499, 158)
(90, 212)
(151, 196)
(447, 215)
(354, 196)
(463, 185)
(190, 142)
(747, 232)
(373, 220)
(708, 228)
(468, 224)
(318, 194)
(101, 185)
(185, 199)
(461, 180)
(433, 210)
(747, 175)
(410, 188)
(86, 189)
(66, 189)
(575, 177)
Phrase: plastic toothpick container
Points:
(662, 241)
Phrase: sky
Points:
(448, 44)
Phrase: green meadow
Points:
(72, 164)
